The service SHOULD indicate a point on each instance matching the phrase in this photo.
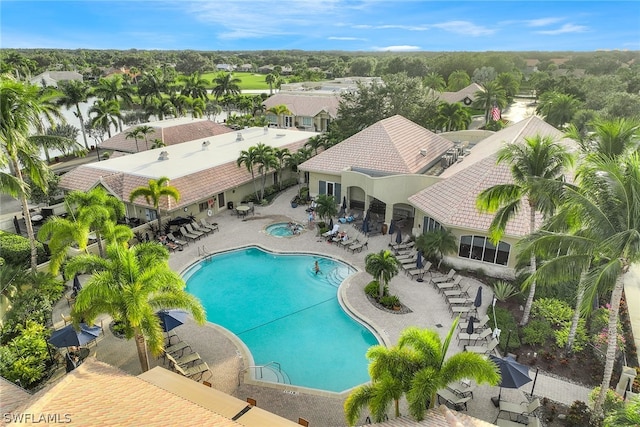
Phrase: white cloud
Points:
(399, 48)
(465, 28)
(345, 38)
(566, 28)
(542, 22)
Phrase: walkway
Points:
(226, 358)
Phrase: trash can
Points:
(230, 205)
(384, 228)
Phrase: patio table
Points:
(242, 210)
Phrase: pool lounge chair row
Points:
(185, 361)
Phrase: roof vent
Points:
(423, 152)
(164, 155)
(239, 137)
(205, 145)
(266, 130)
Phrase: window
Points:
(272, 118)
(288, 121)
(430, 224)
(203, 206)
(329, 188)
(307, 121)
(480, 248)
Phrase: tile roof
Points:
(307, 105)
(459, 96)
(452, 201)
(394, 145)
(12, 396)
(173, 131)
(96, 393)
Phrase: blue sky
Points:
(366, 25)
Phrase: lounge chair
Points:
(179, 347)
(359, 246)
(192, 231)
(188, 235)
(406, 241)
(409, 255)
(212, 227)
(193, 371)
(184, 361)
(524, 409)
(173, 239)
(459, 293)
(194, 225)
(346, 243)
(442, 286)
(419, 271)
(332, 232)
(475, 337)
(460, 310)
(532, 421)
(446, 278)
(404, 246)
(482, 349)
(453, 399)
(461, 389)
(481, 323)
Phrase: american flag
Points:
(495, 113)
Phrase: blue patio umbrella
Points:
(392, 227)
(399, 236)
(365, 223)
(513, 374)
(419, 263)
(470, 326)
(478, 301)
(69, 337)
(77, 287)
(170, 319)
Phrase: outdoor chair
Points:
(457, 293)
(403, 245)
(192, 231)
(65, 319)
(531, 421)
(359, 246)
(462, 389)
(412, 254)
(346, 243)
(179, 347)
(480, 325)
(194, 225)
(520, 410)
(419, 271)
(175, 240)
(453, 399)
(188, 235)
(212, 227)
(446, 278)
(442, 286)
(184, 361)
(475, 337)
(194, 371)
(460, 310)
(482, 349)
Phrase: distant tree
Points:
(194, 86)
(212, 109)
(510, 83)
(437, 243)
(225, 84)
(279, 111)
(270, 79)
(557, 108)
(363, 66)
(106, 114)
(492, 94)
(114, 89)
(484, 75)
(453, 116)
(74, 93)
(248, 158)
(434, 81)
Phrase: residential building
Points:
(53, 78)
(309, 111)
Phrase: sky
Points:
(347, 25)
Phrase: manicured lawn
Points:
(248, 80)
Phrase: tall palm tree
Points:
(225, 84)
(434, 81)
(265, 159)
(212, 109)
(383, 266)
(457, 80)
(282, 156)
(198, 107)
(608, 137)
(151, 86)
(114, 89)
(145, 131)
(279, 111)
(492, 94)
(130, 285)
(194, 86)
(536, 165)
(510, 82)
(154, 192)
(19, 113)
(270, 79)
(75, 92)
(326, 207)
(437, 243)
(557, 108)
(133, 134)
(106, 113)
(248, 159)
(453, 116)
(181, 103)
(160, 108)
(316, 142)
(416, 367)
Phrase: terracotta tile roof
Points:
(97, 394)
(305, 104)
(175, 131)
(452, 201)
(390, 146)
(459, 96)
(12, 396)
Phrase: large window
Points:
(329, 188)
(480, 248)
(430, 224)
(307, 122)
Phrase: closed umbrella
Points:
(392, 227)
(331, 224)
(344, 203)
(399, 236)
(170, 319)
(365, 223)
(69, 337)
(77, 287)
(419, 263)
(470, 326)
(478, 301)
(513, 374)
(16, 224)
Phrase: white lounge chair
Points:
(482, 349)
(419, 271)
(524, 409)
(453, 399)
(442, 286)
(190, 229)
(475, 337)
(212, 227)
(446, 278)
(194, 225)
(188, 235)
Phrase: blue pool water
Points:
(282, 229)
(283, 312)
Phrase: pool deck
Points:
(228, 358)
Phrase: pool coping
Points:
(246, 356)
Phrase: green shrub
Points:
(24, 358)
(566, 292)
(578, 415)
(612, 400)
(390, 301)
(552, 310)
(580, 341)
(504, 290)
(505, 322)
(31, 305)
(373, 288)
(16, 250)
(536, 332)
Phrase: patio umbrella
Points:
(331, 224)
(68, 337)
(419, 263)
(170, 319)
(16, 224)
(77, 287)
(478, 301)
(392, 227)
(470, 326)
(344, 203)
(513, 374)
(399, 236)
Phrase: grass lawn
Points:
(248, 80)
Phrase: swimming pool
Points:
(284, 229)
(284, 313)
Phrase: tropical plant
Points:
(282, 155)
(457, 80)
(225, 84)
(383, 266)
(536, 166)
(248, 158)
(315, 142)
(74, 93)
(270, 79)
(106, 113)
(326, 207)
(453, 117)
(434, 81)
(279, 111)
(130, 285)
(437, 243)
(114, 89)
(194, 86)
(145, 131)
(504, 290)
(153, 193)
(491, 95)
(627, 415)
(133, 134)
(557, 108)
(610, 138)
(416, 368)
(19, 112)
(151, 86)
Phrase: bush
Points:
(504, 290)
(16, 250)
(580, 341)
(505, 321)
(24, 358)
(373, 288)
(390, 301)
(31, 305)
(578, 415)
(536, 332)
(552, 310)
(612, 401)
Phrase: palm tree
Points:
(282, 156)
(225, 84)
(19, 112)
(107, 113)
(73, 93)
(181, 104)
(608, 137)
(457, 80)
(510, 83)
(265, 159)
(279, 111)
(157, 143)
(491, 95)
(248, 158)
(315, 142)
(535, 166)
(326, 207)
(154, 192)
(270, 79)
(437, 243)
(383, 266)
(596, 233)
(453, 116)
(198, 107)
(152, 86)
(627, 415)
(114, 89)
(160, 108)
(434, 81)
(134, 134)
(145, 131)
(415, 367)
(194, 86)
(130, 285)
(212, 109)
(557, 108)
